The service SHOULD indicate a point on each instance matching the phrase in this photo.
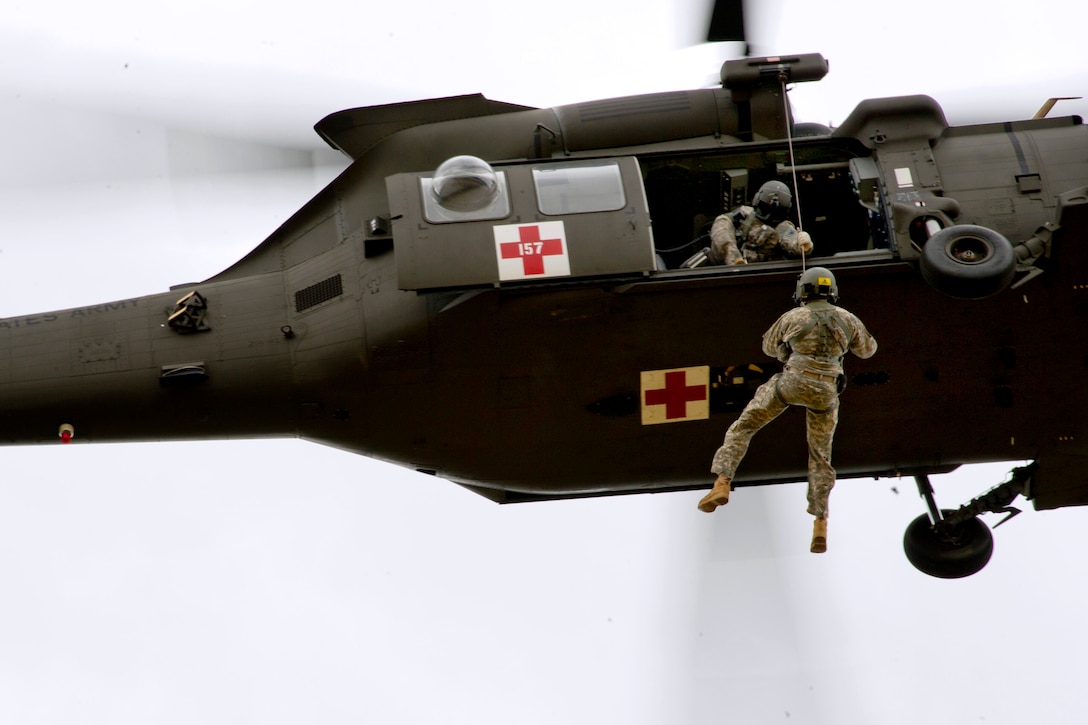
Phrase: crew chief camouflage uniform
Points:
(759, 241)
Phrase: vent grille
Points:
(674, 102)
(315, 294)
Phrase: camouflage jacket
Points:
(751, 239)
(821, 348)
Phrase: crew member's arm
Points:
(792, 240)
(774, 339)
(863, 345)
(723, 241)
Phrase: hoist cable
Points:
(793, 164)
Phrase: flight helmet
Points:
(816, 283)
(772, 203)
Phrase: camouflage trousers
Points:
(773, 397)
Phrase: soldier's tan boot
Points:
(718, 496)
(819, 536)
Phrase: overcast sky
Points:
(282, 582)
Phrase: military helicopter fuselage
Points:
(522, 322)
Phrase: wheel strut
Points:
(925, 490)
(954, 543)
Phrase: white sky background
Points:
(281, 582)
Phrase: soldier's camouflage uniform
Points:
(813, 362)
(759, 242)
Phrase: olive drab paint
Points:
(383, 317)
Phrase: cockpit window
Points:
(578, 187)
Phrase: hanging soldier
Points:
(811, 340)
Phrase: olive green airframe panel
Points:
(452, 254)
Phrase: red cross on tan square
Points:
(670, 396)
(527, 251)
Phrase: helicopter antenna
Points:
(1045, 108)
(793, 162)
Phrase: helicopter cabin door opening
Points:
(470, 224)
(837, 193)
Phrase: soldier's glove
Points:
(804, 242)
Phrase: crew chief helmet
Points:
(772, 203)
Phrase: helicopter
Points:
(385, 319)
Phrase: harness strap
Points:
(825, 318)
(742, 225)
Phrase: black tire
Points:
(968, 261)
(948, 552)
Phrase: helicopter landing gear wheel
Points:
(948, 551)
(968, 261)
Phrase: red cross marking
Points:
(532, 249)
(676, 395)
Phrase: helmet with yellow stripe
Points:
(816, 283)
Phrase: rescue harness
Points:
(832, 324)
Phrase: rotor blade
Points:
(727, 22)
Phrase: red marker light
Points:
(66, 433)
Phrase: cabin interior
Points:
(686, 192)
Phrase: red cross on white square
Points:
(529, 251)
(670, 396)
